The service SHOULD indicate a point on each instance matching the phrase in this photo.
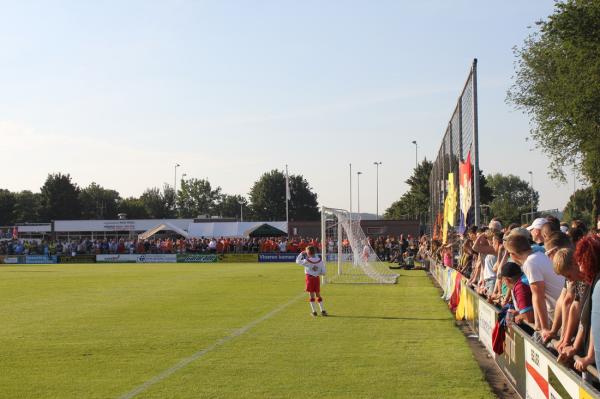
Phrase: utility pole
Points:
(377, 189)
(358, 191)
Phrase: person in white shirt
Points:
(545, 284)
(282, 246)
(212, 245)
(313, 269)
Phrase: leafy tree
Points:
(267, 196)
(485, 191)
(133, 207)
(159, 204)
(512, 197)
(419, 195)
(59, 198)
(27, 207)
(401, 209)
(8, 201)
(557, 84)
(197, 197)
(579, 205)
(303, 201)
(98, 202)
(416, 200)
(229, 206)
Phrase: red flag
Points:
(15, 234)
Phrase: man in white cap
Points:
(536, 234)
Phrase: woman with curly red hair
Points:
(587, 256)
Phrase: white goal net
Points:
(347, 252)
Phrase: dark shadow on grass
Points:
(390, 318)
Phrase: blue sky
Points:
(117, 92)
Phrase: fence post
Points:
(475, 145)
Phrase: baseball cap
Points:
(510, 270)
(537, 224)
(564, 229)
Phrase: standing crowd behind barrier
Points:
(390, 248)
(545, 274)
(156, 246)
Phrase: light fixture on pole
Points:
(175, 179)
(358, 192)
(416, 165)
(416, 153)
(350, 192)
(377, 189)
(531, 183)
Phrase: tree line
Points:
(557, 84)
(506, 197)
(61, 199)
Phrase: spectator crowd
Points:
(202, 245)
(544, 276)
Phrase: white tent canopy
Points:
(162, 227)
(228, 229)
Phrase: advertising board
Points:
(136, 258)
(77, 259)
(12, 259)
(196, 258)
(41, 259)
(116, 258)
(277, 257)
(487, 321)
(156, 258)
(238, 258)
(512, 361)
(544, 378)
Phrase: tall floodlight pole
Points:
(377, 187)
(287, 197)
(416, 154)
(475, 144)
(358, 192)
(241, 210)
(175, 186)
(531, 183)
(350, 192)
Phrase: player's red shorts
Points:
(313, 283)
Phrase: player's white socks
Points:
(322, 306)
(312, 306)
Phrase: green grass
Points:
(99, 331)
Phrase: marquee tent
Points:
(231, 229)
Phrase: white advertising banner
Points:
(487, 321)
(544, 379)
(140, 258)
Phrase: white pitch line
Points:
(184, 362)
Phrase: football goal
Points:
(347, 252)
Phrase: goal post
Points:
(347, 252)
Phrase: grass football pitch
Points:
(224, 331)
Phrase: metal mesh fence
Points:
(451, 188)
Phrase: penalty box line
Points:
(186, 361)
